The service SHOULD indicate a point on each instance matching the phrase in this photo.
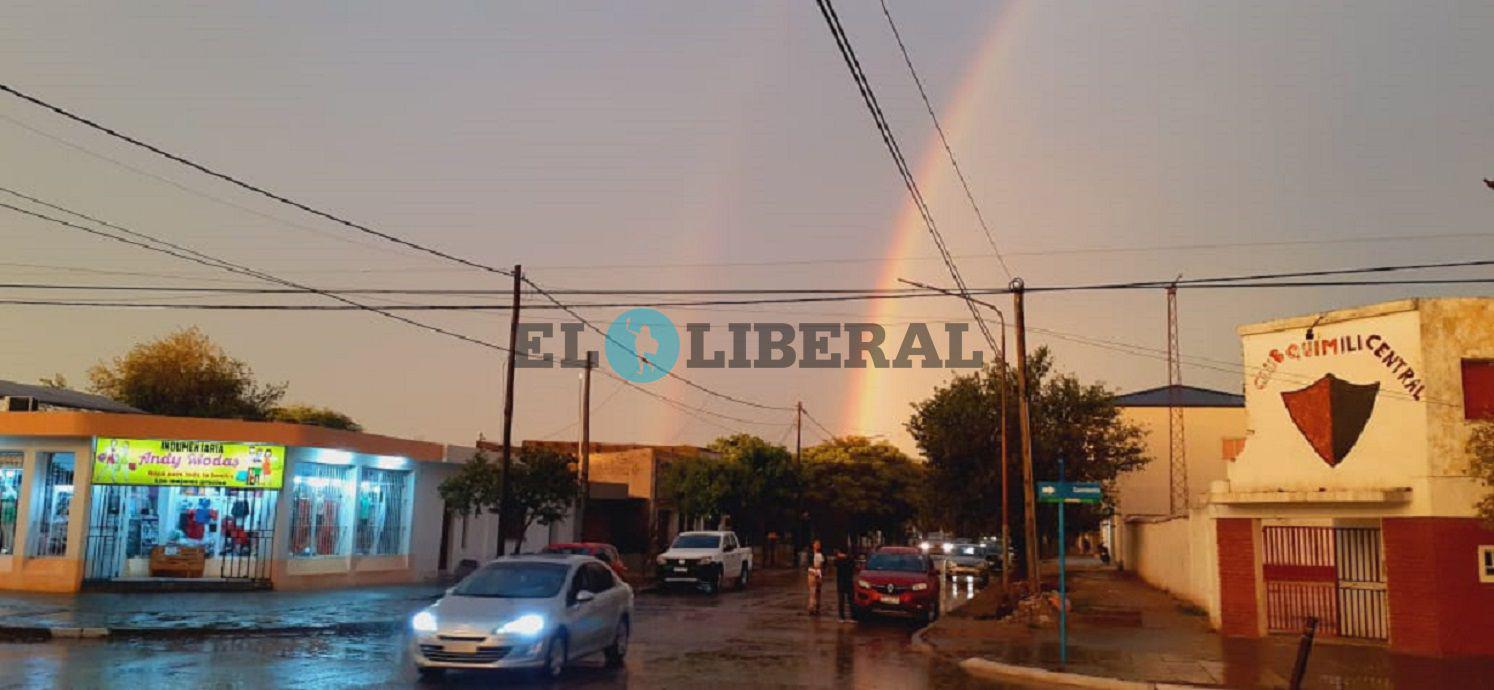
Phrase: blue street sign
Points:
(1069, 492)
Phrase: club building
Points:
(109, 499)
(1352, 500)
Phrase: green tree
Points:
(958, 432)
(853, 486)
(747, 478)
(1481, 466)
(544, 489)
(705, 487)
(54, 381)
(314, 416)
(185, 374)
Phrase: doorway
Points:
(143, 533)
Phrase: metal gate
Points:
(126, 524)
(1334, 574)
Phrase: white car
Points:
(707, 559)
(531, 612)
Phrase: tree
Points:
(1481, 466)
(185, 374)
(747, 478)
(853, 486)
(54, 381)
(314, 416)
(958, 431)
(544, 489)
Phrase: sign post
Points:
(1064, 492)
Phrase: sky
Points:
(708, 145)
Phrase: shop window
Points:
(54, 504)
(1478, 389)
(321, 500)
(10, 498)
(381, 512)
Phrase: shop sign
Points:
(11, 459)
(137, 462)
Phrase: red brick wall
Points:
(1239, 608)
(1437, 605)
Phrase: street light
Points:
(1006, 534)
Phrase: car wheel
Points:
(619, 649)
(742, 578)
(555, 656)
(713, 583)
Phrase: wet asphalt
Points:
(758, 638)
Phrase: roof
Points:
(1188, 396)
(62, 397)
(70, 424)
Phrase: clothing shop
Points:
(112, 501)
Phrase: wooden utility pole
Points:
(1024, 419)
(1005, 460)
(798, 432)
(506, 502)
(585, 453)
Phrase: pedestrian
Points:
(845, 581)
(816, 576)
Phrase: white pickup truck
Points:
(705, 559)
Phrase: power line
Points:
(848, 54)
(927, 104)
(829, 435)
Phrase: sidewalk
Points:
(185, 614)
(1122, 628)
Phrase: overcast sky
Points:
(723, 145)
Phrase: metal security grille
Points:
(128, 524)
(1334, 574)
(49, 526)
(381, 512)
(248, 531)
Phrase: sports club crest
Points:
(1331, 414)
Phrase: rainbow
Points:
(868, 406)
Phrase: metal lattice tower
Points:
(1176, 448)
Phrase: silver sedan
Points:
(536, 612)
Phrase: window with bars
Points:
(54, 506)
(10, 498)
(321, 498)
(381, 512)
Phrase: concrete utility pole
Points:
(585, 451)
(1177, 447)
(506, 501)
(1024, 418)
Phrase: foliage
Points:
(752, 481)
(853, 486)
(314, 416)
(185, 374)
(54, 381)
(1481, 465)
(544, 489)
(958, 431)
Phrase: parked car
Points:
(898, 580)
(705, 559)
(605, 553)
(535, 612)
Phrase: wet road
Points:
(753, 639)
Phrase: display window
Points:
(177, 531)
(54, 505)
(10, 498)
(381, 512)
(321, 506)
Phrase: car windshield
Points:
(514, 581)
(697, 541)
(578, 550)
(904, 562)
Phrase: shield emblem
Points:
(1331, 413)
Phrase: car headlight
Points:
(863, 583)
(925, 546)
(424, 622)
(705, 560)
(920, 586)
(948, 548)
(527, 625)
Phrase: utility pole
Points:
(585, 452)
(506, 502)
(1005, 460)
(1024, 419)
(801, 525)
(1177, 450)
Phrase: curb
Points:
(44, 634)
(995, 670)
(920, 645)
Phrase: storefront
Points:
(91, 500)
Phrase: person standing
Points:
(816, 576)
(845, 582)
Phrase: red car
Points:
(898, 580)
(605, 553)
